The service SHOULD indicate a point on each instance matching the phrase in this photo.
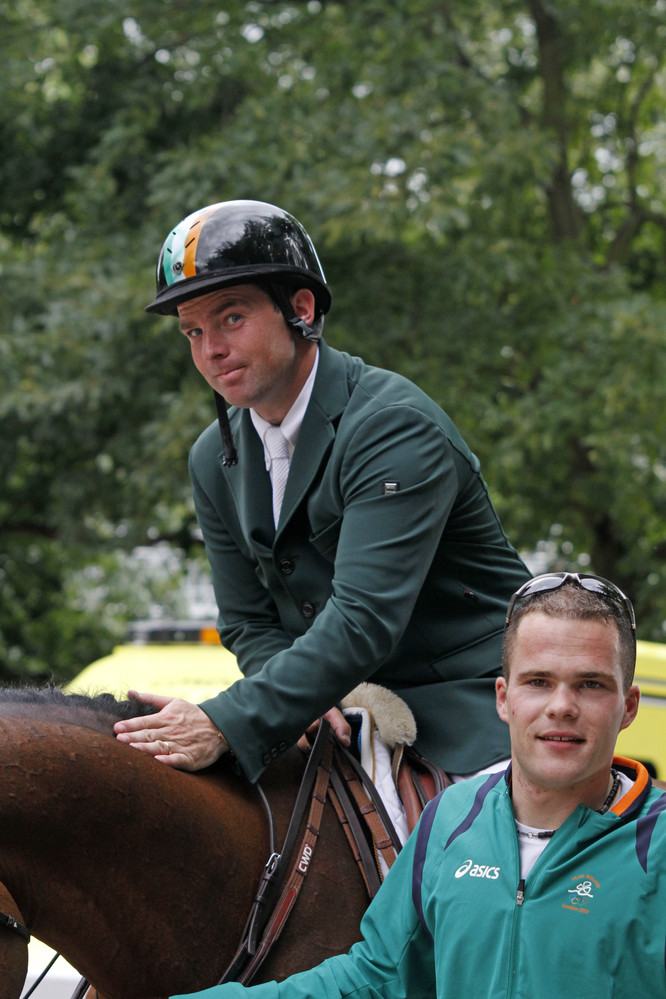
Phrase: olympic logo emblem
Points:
(579, 897)
(584, 889)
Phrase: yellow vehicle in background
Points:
(645, 740)
(185, 659)
(175, 658)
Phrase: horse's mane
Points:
(50, 703)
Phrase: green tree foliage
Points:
(484, 183)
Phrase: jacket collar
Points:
(633, 800)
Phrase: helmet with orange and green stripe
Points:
(237, 242)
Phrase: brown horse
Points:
(141, 876)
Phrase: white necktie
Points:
(278, 448)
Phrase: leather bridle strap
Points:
(355, 834)
(266, 898)
(8, 922)
(299, 869)
(367, 800)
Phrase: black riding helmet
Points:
(236, 242)
(240, 242)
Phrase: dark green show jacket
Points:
(388, 564)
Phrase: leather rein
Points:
(277, 893)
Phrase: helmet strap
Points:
(229, 453)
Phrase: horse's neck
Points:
(99, 839)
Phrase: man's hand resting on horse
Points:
(180, 734)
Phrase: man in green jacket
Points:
(381, 559)
(543, 882)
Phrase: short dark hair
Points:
(570, 601)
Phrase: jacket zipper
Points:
(520, 894)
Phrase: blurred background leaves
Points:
(484, 183)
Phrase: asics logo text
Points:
(477, 871)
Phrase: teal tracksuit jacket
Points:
(453, 920)
(388, 564)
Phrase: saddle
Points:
(386, 729)
(393, 777)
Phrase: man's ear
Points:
(500, 698)
(631, 699)
(303, 303)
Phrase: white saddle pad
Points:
(375, 757)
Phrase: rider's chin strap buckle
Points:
(303, 329)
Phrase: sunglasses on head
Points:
(587, 581)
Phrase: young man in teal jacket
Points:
(543, 882)
(384, 559)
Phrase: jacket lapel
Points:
(250, 482)
(330, 395)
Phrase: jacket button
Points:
(308, 609)
(286, 566)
